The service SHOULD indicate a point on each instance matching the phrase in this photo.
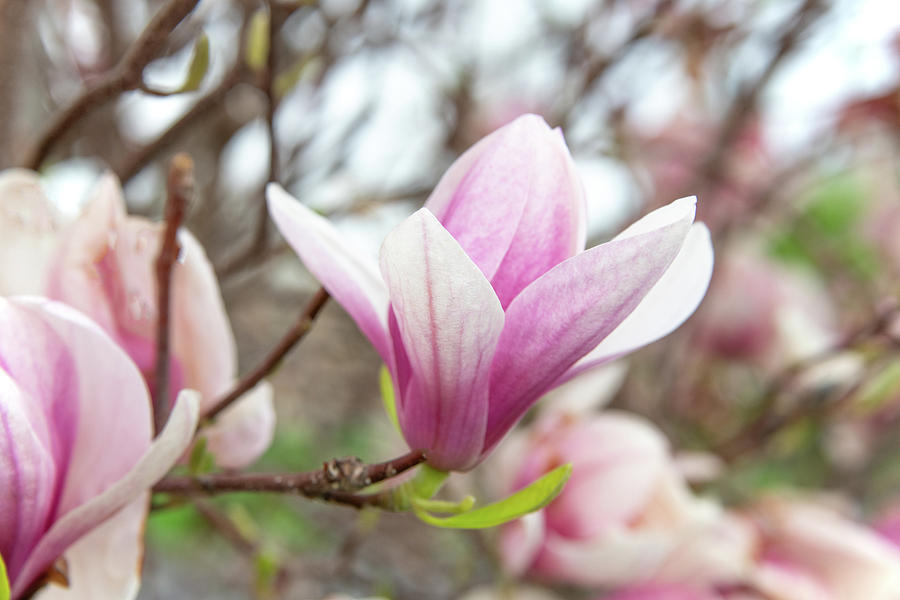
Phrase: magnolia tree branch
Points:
(744, 105)
(768, 422)
(301, 326)
(337, 481)
(125, 76)
(180, 188)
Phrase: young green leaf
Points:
(256, 54)
(199, 65)
(428, 482)
(200, 460)
(445, 506)
(387, 396)
(535, 496)
(4, 581)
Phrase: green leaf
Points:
(445, 506)
(387, 396)
(428, 482)
(199, 65)
(291, 76)
(256, 54)
(4, 582)
(880, 389)
(200, 461)
(535, 496)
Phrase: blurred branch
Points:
(12, 24)
(124, 77)
(271, 360)
(180, 188)
(133, 163)
(744, 105)
(337, 481)
(767, 423)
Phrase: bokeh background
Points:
(782, 116)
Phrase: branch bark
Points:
(124, 77)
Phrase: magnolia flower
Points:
(68, 396)
(809, 551)
(103, 264)
(760, 310)
(486, 299)
(625, 516)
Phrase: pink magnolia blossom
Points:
(625, 516)
(760, 310)
(103, 264)
(809, 551)
(486, 298)
(76, 450)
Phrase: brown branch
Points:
(290, 339)
(124, 77)
(13, 19)
(766, 424)
(745, 103)
(337, 481)
(133, 163)
(276, 18)
(179, 188)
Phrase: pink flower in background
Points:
(103, 264)
(486, 298)
(68, 396)
(760, 310)
(809, 551)
(626, 515)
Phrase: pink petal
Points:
(514, 203)
(350, 278)
(29, 228)
(618, 461)
(520, 541)
(28, 473)
(449, 320)
(105, 564)
(569, 310)
(667, 305)
(79, 271)
(152, 466)
(244, 430)
(202, 340)
(109, 395)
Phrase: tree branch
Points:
(290, 339)
(124, 77)
(337, 481)
(180, 188)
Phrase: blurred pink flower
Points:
(103, 264)
(809, 551)
(487, 299)
(763, 311)
(673, 160)
(625, 516)
(69, 395)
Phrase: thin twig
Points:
(290, 339)
(179, 189)
(133, 163)
(745, 103)
(337, 481)
(766, 424)
(268, 87)
(124, 77)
